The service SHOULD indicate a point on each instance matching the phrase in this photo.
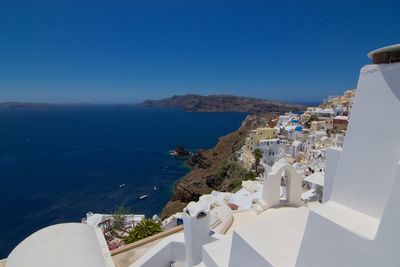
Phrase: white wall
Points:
(272, 184)
(241, 251)
(359, 224)
(371, 148)
(271, 191)
(339, 246)
(332, 160)
(328, 244)
(168, 250)
(388, 235)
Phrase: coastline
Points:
(206, 166)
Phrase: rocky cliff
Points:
(215, 169)
(223, 103)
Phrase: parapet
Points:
(385, 55)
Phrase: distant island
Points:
(39, 105)
(223, 103)
(15, 105)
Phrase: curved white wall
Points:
(60, 245)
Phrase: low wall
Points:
(146, 240)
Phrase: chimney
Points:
(196, 224)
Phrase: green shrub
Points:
(146, 228)
(250, 176)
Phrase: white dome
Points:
(61, 245)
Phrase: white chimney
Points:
(196, 223)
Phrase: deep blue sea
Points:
(57, 164)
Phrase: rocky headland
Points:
(215, 169)
(223, 103)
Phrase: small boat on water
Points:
(155, 188)
(142, 197)
(122, 185)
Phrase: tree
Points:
(146, 228)
(119, 217)
(257, 156)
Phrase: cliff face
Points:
(214, 169)
(223, 103)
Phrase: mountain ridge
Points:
(223, 103)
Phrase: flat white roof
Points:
(276, 235)
(354, 221)
(316, 178)
(221, 196)
(308, 194)
(243, 198)
(94, 219)
(341, 118)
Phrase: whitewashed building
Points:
(273, 149)
(295, 148)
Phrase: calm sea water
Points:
(58, 164)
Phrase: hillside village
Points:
(300, 140)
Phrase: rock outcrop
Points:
(214, 169)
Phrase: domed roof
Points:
(61, 245)
(298, 128)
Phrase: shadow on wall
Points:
(391, 76)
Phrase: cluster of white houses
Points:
(301, 139)
(356, 221)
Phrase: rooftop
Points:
(316, 178)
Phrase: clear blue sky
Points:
(126, 51)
